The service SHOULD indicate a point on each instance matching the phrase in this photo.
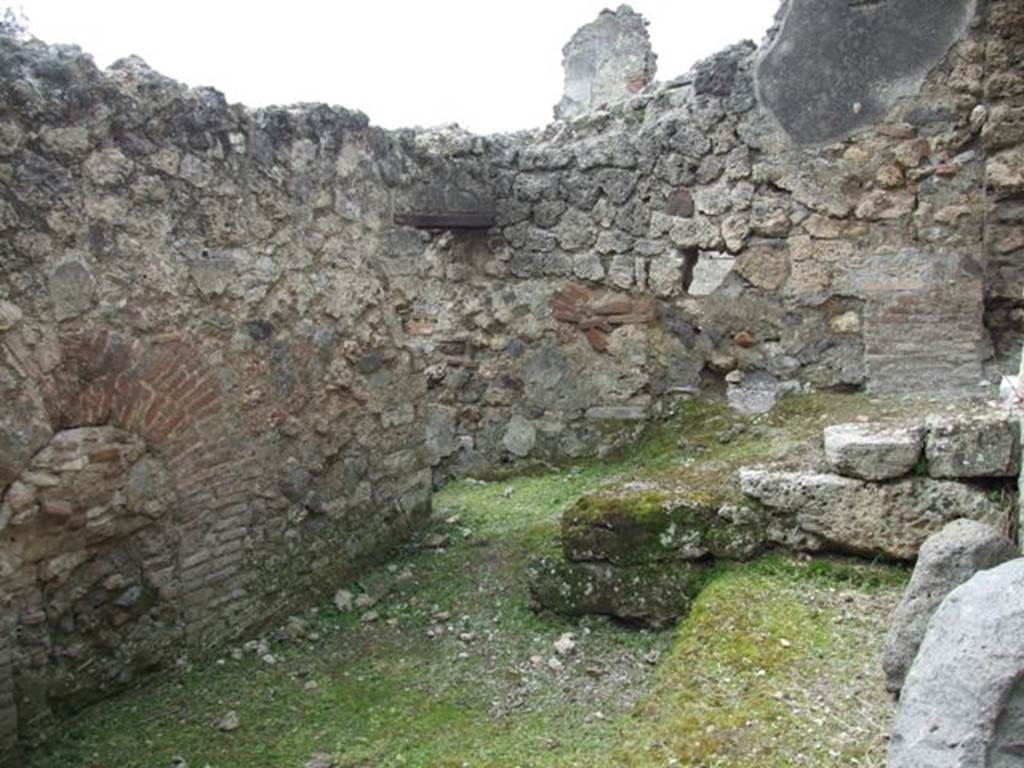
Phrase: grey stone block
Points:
(983, 447)
(872, 451)
(824, 512)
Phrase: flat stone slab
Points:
(872, 451)
(831, 513)
(980, 447)
(962, 705)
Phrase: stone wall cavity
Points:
(232, 379)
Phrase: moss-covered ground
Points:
(776, 665)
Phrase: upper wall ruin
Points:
(233, 378)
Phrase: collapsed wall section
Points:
(233, 378)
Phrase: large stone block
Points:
(983, 447)
(823, 512)
(649, 524)
(946, 560)
(962, 705)
(872, 451)
(656, 594)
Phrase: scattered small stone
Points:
(365, 600)
(343, 600)
(320, 760)
(467, 637)
(237, 654)
(565, 644)
(554, 664)
(785, 643)
(369, 617)
(507, 492)
(229, 722)
(311, 685)
(179, 762)
(537, 661)
(268, 658)
(453, 519)
(652, 657)
(436, 541)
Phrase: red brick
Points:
(744, 339)
(58, 509)
(595, 322)
(577, 292)
(614, 305)
(598, 339)
(164, 428)
(632, 319)
(105, 455)
(568, 316)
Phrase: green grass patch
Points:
(456, 667)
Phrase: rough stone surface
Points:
(872, 451)
(520, 436)
(988, 447)
(650, 526)
(946, 560)
(830, 513)
(605, 61)
(961, 704)
(756, 393)
(654, 595)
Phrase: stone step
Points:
(972, 447)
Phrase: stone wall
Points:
(233, 379)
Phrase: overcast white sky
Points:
(489, 66)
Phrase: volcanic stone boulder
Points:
(946, 560)
(962, 704)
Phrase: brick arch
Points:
(165, 393)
